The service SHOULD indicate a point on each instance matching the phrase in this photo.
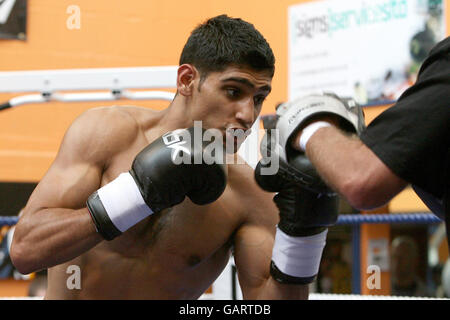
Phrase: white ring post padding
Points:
(162, 77)
(116, 81)
(92, 96)
(29, 98)
(148, 95)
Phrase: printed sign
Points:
(13, 19)
(368, 50)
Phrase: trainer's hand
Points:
(161, 176)
(293, 166)
(299, 119)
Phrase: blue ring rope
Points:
(344, 219)
(8, 220)
(352, 219)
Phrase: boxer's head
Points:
(223, 41)
(225, 73)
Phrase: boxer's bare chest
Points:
(201, 228)
(186, 246)
(193, 231)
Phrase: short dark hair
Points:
(223, 41)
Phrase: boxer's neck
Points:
(177, 115)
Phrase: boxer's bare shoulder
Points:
(96, 132)
(99, 133)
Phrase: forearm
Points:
(336, 157)
(293, 265)
(351, 168)
(252, 256)
(274, 290)
(51, 236)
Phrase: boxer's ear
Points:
(185, 79)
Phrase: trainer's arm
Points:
(351, 168)
(56, 226)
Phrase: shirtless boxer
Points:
(163, 248)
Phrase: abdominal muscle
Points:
(132, 279)
(163, 257)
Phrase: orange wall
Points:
(116, 34)
(113, 34)
(14, 288)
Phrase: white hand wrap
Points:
(309, 130)
(123, 202)
(294, 114)
(298, 256)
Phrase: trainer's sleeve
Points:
(412, 137)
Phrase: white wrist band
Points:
(298, 256)
(309, 130)
(123, 202)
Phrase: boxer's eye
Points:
(259, 99)
(233, 92)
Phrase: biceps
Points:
(252, 255)
(65, 185)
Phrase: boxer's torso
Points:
(174, 254)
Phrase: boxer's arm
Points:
(56, 226)
(253, 244)
(252, 256)
(351, 168)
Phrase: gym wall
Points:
(118, 34)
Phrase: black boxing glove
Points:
(301, 232)
(301, 210)
(162, 175)
(293, 166)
